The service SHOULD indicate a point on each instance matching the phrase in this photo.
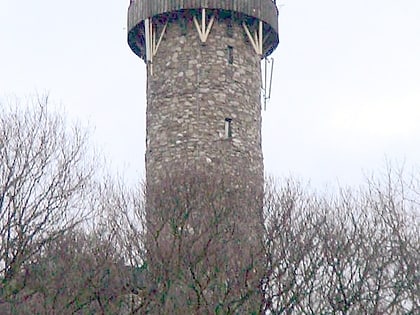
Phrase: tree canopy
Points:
(75, 242)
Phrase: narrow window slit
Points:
(229, 27)
(230, 54)
(228, 128)
(183, 26)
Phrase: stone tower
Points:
(203, 80)
(203, 62)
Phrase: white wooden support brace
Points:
(257, 38)
(150, 37)
(203, 29)
(156, 44)
(147, 40)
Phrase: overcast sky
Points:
(346, 87)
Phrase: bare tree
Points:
(45, 176)
(355, 253)
(195, 241)
(77, 273)
(196, 255)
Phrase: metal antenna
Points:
(266, 79)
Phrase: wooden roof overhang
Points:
(248, 11)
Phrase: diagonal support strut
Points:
(203, 29)
(256, 38)
(152, 46)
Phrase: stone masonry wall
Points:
(192, 88)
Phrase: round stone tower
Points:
(203, 82)
(203, 62)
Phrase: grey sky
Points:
(346, 89)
